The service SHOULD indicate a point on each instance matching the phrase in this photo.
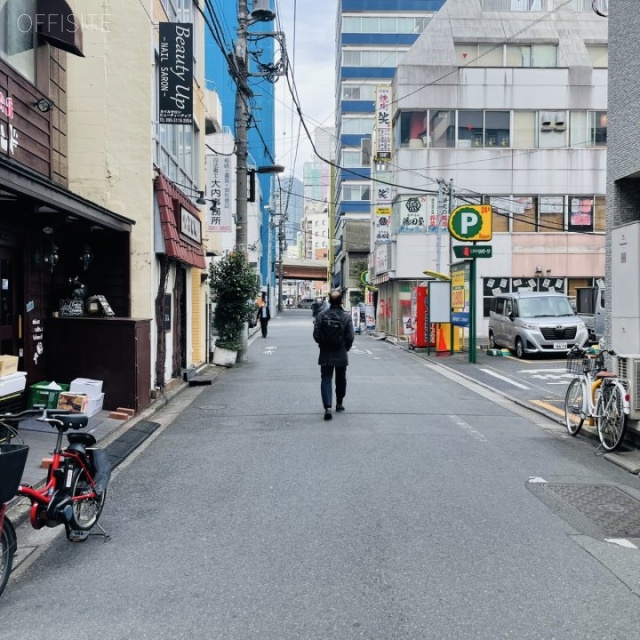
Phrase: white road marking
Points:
(543, 371)
(497, 375)
(622, 542)
(468, 428)
(537, 480)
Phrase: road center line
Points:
(497, 375)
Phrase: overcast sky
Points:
(311, 44)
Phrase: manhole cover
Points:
(615, 512)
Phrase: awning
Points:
(170, 198)
(19, 179)
(57, 24)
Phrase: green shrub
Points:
(234, 287)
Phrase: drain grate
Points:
(615, 512)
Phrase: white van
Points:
(535, 322)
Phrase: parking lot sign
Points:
(471, 223)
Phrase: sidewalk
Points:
(119, 437)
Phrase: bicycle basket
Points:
(574, 363)
(13, 458)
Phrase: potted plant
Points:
(234, 287)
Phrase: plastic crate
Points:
(39, 395)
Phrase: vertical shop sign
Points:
(382, 150)
(220, 171)
(175, 90)
(383, 224)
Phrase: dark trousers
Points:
(263, 326)
(326, 376)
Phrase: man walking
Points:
(333, 331)
(264, 315)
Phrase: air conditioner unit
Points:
(627, 368)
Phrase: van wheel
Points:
(492, 341)
(519, 348)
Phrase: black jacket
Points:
(259, 314)
(335, 358)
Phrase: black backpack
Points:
(331, 331)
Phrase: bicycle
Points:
(595, 394)
(75, 490)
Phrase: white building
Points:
(511, 105)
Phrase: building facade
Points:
(372, 38)
(476, 113)
(122, 155)
(56, 244)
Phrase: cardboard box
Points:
(77, 402)
(92, 388)
(95, 405)
(8, 365)
(13, 383)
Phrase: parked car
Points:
(305, 303)
(535, 322)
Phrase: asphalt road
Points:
(428, 510)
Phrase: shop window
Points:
(497, 129)
(470, 129)
(17, 36)
(580, 213)
(551, 209)
(492, 287)
(411, 128)
(577, 283)
(441, 129)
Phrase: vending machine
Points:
(419, 318)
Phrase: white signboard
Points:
(220, 171)
(190, 225)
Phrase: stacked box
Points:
(91, 388)
(13, 383)
(77, 402)
(8, 365)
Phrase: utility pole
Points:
(281, 241)
(241, 121)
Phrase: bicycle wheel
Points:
(85, 512)
(611, 418)
(573, 404)
(7, 549)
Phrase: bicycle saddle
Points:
(66, 421)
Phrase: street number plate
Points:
(559, 345)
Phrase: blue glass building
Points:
(261, 135)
